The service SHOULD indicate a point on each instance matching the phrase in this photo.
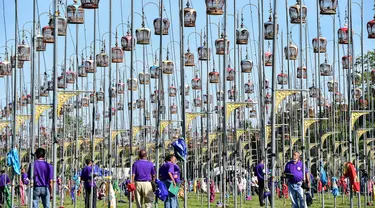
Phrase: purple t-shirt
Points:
(86, 176)
(259, 171)
(177, 173)
(43, 173)
(296, 170)
(166, 168)
(143, 170)
(4, 180)
(25, 179)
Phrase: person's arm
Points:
(307, 178)
(172, 178)
(133, 173)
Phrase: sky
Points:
(121, 12)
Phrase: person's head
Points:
(170, 158)
(88, 162)
(40, 153)
(261, 160)
(142, 154)
(2, 171)
(23, 170)
(296, 155)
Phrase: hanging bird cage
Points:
(70, 77)
(246, 65)
(295, 13)
(219, 45)
(117, 54)
(102, 58)
(190, 16)
(132, 105)
(242, 35)
(343, 35)
(357, 78)
(371, 29)
(172, 91)
(154, 70)
(363, 103)
(187, 104)
(19, 63)
(230, 74)
(144, 78)
(113, 110)
(253, 113)
(167, 66)
(220, 96)
(82, 70)
(314, 92)
(5, 68)
(268, 29)
(338, 97)
(214, 7)
(311, 112)
(207, 99)
(85, 101)
(47, 33)
(291, 52)
(187, 90)
(23, 51)
(161, 94)
(43, 92)
(100, 95)
(132, 84)
(249, 87)
(189, 58)
(140, 103)
(282, 79)
(347, 62)
(173, 109)
(332, 86)
(266, 84)
(302, 72)
(268, 58)
(204, 52)
(61, 21)
(196, 83)
(143, 35)
(232, 93)
(326, 69)
(40, 45)
(75, 14)
(61, 82)
(214, 77)
(112, 92)
(120, 88)
(127, 42)
(268, 99)
(120, 106)
(165, 26)
(320, 45)
(344, 107)
(50, 85)
(92, 97)
(197, 102)
(89, 66)
(328, 7)
(23, 100)
(90, 4)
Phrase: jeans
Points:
(171, 201)
(296, 195)
(43, 194)
(88, 197)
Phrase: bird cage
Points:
(24, 100)
(173, 109)
(189, 58)
(232, 93)
(132, 105)
(311, 112)
(23, 51)
(196, 83)
(120, 88)
(112, 92)
(357, 78)
(47, 33)
(90, 4)
(92, 97)
(314, 92)
(19, 63)
(172, 91)
(249, 87)
(5, 68)
(85, 101)
(282, 79)
(268, 58)
(154, 98)
(252, 113)
(295, 13)
(140, 103)
(61, 82)
(187, 90)
(204, 52)
(127, 42)
(230, 74)
(246, 65)
(167, 66)
(97, 116)
(197, 102)
(320, 45)
(161, 95)
(242, 35)
(43, 91)
(75, 13)
(102, 59)
(302, 72)
(347, 62)
(219, 45)
(268, 29)
(89, 66)
(100, 95)
(268, 99)
(343, 35)
(154, 70)
(220, 96)
(40, 45)
(143, 35)
(120, 106)
(371, 29)
(165, 26)
(190, 16)
(113, 111)
(187, 103)
(326, 69)
(339, 97)
(291, 52)
(214, 7)
(328, 7)
(144, 78)
(62, 25)
(70, 77)
(82, 70)
(50, 85)
(117, 54)
(214, 77)
(363, 103)
(266, 84)
(207, 99)
(332, 86)
(249, 103)
(132, 84)
(344, 107)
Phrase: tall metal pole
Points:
(208, 124)
(224, 137)
(110, 101)
(131, 94)
(235, 111)
(302, 126)
(76, 159)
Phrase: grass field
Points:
(196, 201)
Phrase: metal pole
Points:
(208, 124)
(302, 126)
(110, 103)
(225, 141)
(76, 159)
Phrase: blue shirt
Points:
(166, 168)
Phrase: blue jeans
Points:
(171, 201)
(43, 194)
(296, 195)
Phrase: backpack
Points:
(162, 191)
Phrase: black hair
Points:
(142, 154)
(40, 153)
(88, 161)
(169, 157)
(2, 171)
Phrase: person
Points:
(25, 182)
(259, 172)
(254, 184)
(294, 172)
(166, 175)
(143, 173)
(4, 180)
(42, 177)
(86, 176)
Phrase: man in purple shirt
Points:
(87, 176)
(42, 177)
(295, 175)
(143, 172)
(4, 180)
(259, 172)
(166, 174)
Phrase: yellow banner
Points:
(355, 116)
(97, 141)
(20, 119)
(63, 97)
(312, 145)
(239, 133)
(293, 140)
(4, 124)
(232, 106)
(189, 118)
(114, 133)
(40, 109)
(135, 131)
(325, 136)
(281, 95)
(308, 122)
(360, 132)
